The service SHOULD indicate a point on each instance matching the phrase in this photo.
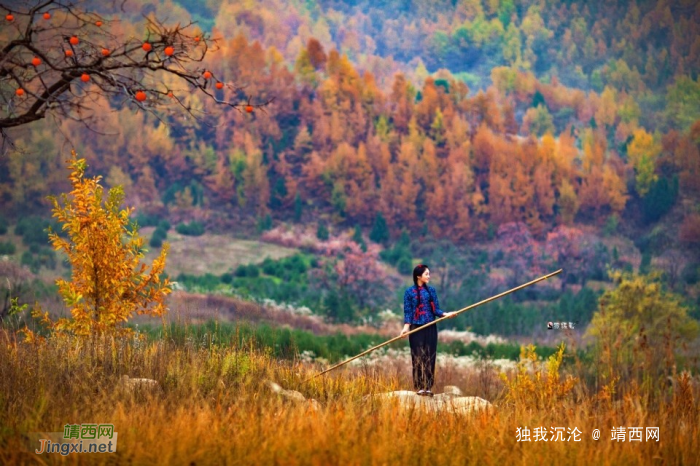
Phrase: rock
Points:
(452, 390)
(289, 394)
(441, 402)
(449, 401)
(293, 395)
(131, 385)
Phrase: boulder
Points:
(131, 385)
(449, 401)
(293, 395)
(440, 402)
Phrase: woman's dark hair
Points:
(418, 271)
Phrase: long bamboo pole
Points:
(492, 298)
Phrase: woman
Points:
(420, 307)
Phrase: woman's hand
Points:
(405, 330)
(450, 314)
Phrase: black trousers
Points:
(423, 354)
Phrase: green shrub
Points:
(147, 220)
(290, 343)
(160, 233)
(47, 258)
(3, 225)
(322, 232)
(44, 257)
(250, 270)
(34, 230)
(401, 252)
(270, 267)
(7, 249)
(206, 282)
(265, 223)
(691, 273)
(194, 228)
(156, 241)
(295, 263)
(611, 225)
(27, 259)
(405, 266)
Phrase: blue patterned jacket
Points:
(428, 310)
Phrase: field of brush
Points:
(212, 405)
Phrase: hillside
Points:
(492, 140)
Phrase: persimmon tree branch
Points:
(56, 54)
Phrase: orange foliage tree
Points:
(109, 283)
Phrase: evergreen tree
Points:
(660, 198)
(380, 232)
(338, 307)
(357, 237)
(265, 223)
(538, 99)
(298, 208)
(322, 232)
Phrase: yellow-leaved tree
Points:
(108, 283)
(536, 385)
(640, 330)
(643, 151)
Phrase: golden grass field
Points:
(213, 407)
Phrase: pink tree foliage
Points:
(576, 252)
(521, 253)
(361, 275)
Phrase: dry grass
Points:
(215, 254)
(193, 308)
(214, 408)
(209, 253)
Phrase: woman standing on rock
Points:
(420, 307)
